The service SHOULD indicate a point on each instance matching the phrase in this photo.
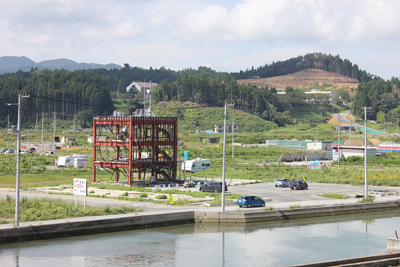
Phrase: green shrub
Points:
(295, 206)
(143, 195)
(161, 197)
(364, 200)
(334, 195)
(269, 208)
(125, 194)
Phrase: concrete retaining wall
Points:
(393, 245)
(274, 215)
(95, 226)
(373, 261)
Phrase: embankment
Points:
(113, 223)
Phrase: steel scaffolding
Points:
(128, 145)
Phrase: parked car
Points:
(213, 187)
(298, 184)
(282, 183)
(24, 151)
(9, 151)
(3, 150)
(32, 150)
(250, 201)
(47, 153)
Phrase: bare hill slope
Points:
(306, 79)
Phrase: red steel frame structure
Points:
(137, 144)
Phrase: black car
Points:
(213, 187)
(298, 184)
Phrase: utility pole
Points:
(233, 135)
(224, 160)
(350, 132)
(295, 124)
(18, 158)
(36, 124)
(74, 122)
(144, 96)
(151, 91)
(384, 123)
(365, 152)
(339, 138)
(397, 123)
(54, 133)
(42, 130)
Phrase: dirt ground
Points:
(305, 80)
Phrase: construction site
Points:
(132, 147)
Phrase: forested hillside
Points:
(87, 93)
(80, 93)
(310, 61)
(382, 97)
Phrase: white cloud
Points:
(233, 35)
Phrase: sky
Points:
(225, 35)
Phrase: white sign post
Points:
(80, 189)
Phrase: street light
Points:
(233, 135)
(223, 160)
(365, 152)
(339, 138)
(18, 157)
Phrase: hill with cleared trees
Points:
(306, 79)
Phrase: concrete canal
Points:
(278, 243)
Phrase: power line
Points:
(70, 102)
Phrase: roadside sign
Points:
(80, 187)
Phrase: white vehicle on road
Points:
(196, 165)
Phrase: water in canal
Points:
(256, 244)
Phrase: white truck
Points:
(77, 161)
(196, 165)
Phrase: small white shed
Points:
(348, 151)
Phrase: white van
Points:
(72, 160)
(196, 165)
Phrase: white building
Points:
(141, 86)
(330, 94)
(219, 128)
(348, 151)
(90, 138)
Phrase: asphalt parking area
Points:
(314, 191)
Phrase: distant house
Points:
(348, 151)
(12, 129)
(141, 86)
(212, 140)
(330, 94)
(90, 138)
(118, 114)
(68, 139)
(219, 128)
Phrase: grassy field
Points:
(48, 209)
(249, 163)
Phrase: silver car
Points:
(282, 183)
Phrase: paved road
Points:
(344, 122)
(276, 197)
(279, 198)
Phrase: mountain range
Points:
(10, 64)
